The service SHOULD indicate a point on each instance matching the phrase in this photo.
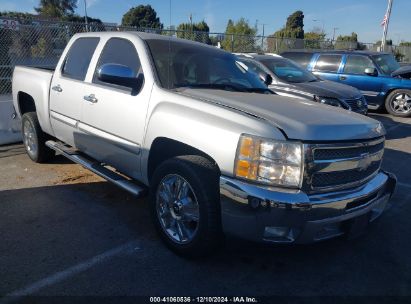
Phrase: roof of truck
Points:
(144, 36)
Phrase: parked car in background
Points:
(289, 79)
(378, 76)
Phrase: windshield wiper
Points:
(225, 86)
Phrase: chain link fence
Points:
(41, 43)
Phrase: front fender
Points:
(395, 84)
(205, 126)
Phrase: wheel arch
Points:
(25, 103)
(163, 148)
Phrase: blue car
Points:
(378, 76)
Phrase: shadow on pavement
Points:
(47, 229)
(395, 129)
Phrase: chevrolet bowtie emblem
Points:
(364, 162)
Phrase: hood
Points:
(404, 72)
(298, 119)
(324, 88)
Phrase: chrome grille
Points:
(326, 154)
(328, 179)
(341, 165)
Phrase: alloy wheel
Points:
(177, 208)
(401, 103)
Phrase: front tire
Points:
(184, 197)
(398, 103)
(34, 139)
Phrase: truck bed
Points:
(34, 81)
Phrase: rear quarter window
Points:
(302, 59)
(328, 63)
(78, 58)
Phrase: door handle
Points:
(90, 98)
(343, 78)
(57, 88)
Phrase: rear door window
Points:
(357, 64)
(328, 63)
(78, 58)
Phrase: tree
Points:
(94, 24)
(315, 34)
(286, 38)
(23, 18)
(56, 8)
(294, 27)
(239, 36)
(347, 42)
(80, 19)
(143, 16)
(352, 38)
(314, 39)
(196, 31)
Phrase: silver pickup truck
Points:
(218, 152)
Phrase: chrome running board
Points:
(97, 168)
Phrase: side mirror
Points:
(119, 74)
(266, 78)
(371, 71)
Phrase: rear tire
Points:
(398, 103)
(34, 139)
(185, 205)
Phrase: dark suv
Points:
(377, 75)
(289, 79)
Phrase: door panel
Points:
(353, 74)
(66, 87)
(326, 66)
(113, 123)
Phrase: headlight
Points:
(328, 101)
(268, 161)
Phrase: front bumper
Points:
(269, 214)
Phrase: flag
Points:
(384, 21)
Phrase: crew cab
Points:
(287, 78)
(378, 76)
(218, 152)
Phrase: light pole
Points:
(334, 29)
(262, 37)
(85, 15)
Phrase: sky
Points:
(361, 16)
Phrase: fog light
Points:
(254, 202)
(279, 234)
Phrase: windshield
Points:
(288, 71)
(187, 64)
(387, 63)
